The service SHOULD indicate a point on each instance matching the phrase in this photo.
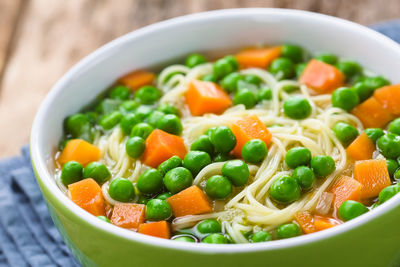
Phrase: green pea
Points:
(374, 133)
(389, 145)
(285, 190)
(323, 165)
(143, 200)
(282, 68)
(147, 94)
(169, 109)
(98, 171)
(110, 120)
(392, 166)
(104, 218)
(194, 161)
(154, 117)
(345, 98)
(345, 132)
(221, 157)
(92, 117)
(209, 226)
(71, 172)
(121, 189)
(128, 121)
(184, 239)
(230, 81)
(108, 105)
(351, 209)
(254, 151)
(261, 236)
(142, 130)
(218, 187)
(209, 131)
(388, 192)
(349, 68)
(203, 143)
(150, 182)
(394, 126)
(164, 195)
(223, 139)
(298, 156)
(210, 78)
(264, 93)
(327, 58)
(253, 79)
(143, 111)
(178, 179)
(299, 68)
(223, 67)
(120, 92)
(236, 171)
(363, 90)
(129, 106)
(246, 98)
(397, 175)
(297, 108)
(169, 164)
(215, 239)
(290, 88)
(293, 52)
(77, 124)
(304, 176)
(288, 230)
(158, 210)
(170, 123)
(376, 82)
(195, 59)
(233, 61)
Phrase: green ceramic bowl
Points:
(370, 240)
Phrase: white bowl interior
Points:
(204, 32)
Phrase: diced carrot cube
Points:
(137, 79)
(322, 222)
(191, 201)
(389, 97)
(79, 150)
(373, 175)
(372, 114)
(87, 195)
(361, 148)
(206, 97)
(158, 229)
(306, 221)
(345, 188)
(128, 215)
(249, 128)
(160, 146)
(258, 57)
(322, 77)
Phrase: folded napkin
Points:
(28, 236)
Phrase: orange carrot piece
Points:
(191, 201)
(361, 148)
(322, 77)
(323, 222)
(372, 114)
(80, 151)
(345, 188)
(249, 128)
(158, 229)
(389, 97)
(306, 221)
(137, 79)
(258, 57)
(206, 97)
(128, 216)
(160, 146)
(87, 195)
(373, 175)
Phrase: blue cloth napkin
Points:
(28, 236)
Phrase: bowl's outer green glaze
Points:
(375, 243)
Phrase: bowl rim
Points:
(46, 179)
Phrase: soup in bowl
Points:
(265, 138)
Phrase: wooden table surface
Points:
(41, 39)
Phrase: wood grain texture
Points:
(41, 39)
